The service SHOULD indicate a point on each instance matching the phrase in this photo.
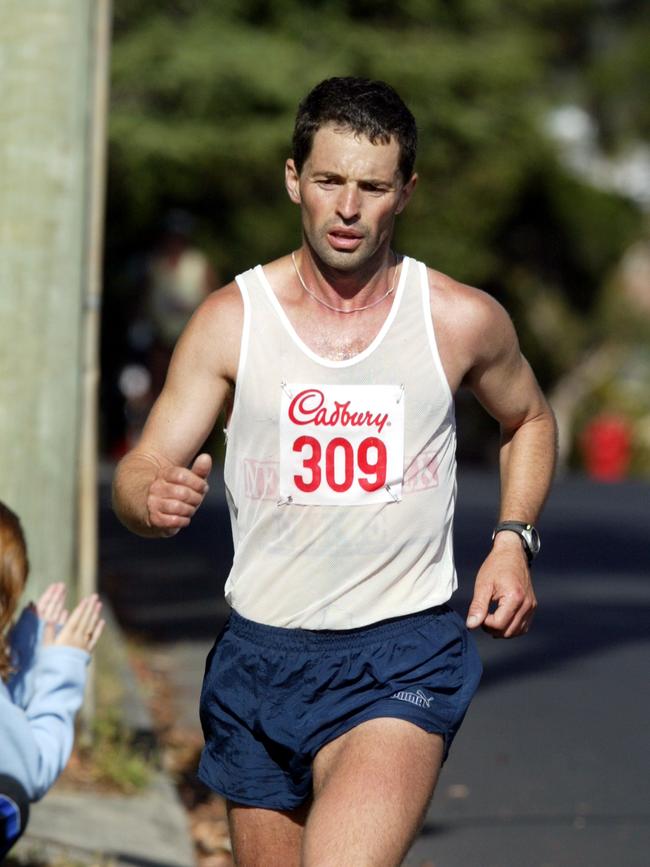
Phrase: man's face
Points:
(350, 191)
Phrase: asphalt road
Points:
(550, 768)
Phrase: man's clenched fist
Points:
(175, 495)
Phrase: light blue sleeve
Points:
(36, 740)
(24, 639)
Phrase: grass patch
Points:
(106, 757)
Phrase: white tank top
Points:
(340, 475)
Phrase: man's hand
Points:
(503, 578)
(175, 495)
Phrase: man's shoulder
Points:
(224, 303)
(214, 331)
(277, 274)
(447, 286)
(471, 325)
(223, 310)
(460, 302)
(274, 267)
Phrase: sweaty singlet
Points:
(340, 475)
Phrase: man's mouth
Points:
(344, 239)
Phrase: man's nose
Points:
(349, 202)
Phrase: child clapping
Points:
(43, 661)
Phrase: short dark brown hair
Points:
(369, 108)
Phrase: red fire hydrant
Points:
(606, 447)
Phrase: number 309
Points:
(370, 459)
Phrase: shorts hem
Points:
(429, 727)
(250, 802)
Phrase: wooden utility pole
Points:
(53, 74)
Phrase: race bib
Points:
(341, 445)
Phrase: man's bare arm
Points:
(155, 491)
(504, 383)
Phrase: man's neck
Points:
(335, 286)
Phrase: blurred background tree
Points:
(532, 117)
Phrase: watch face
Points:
(531, 536)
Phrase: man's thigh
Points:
(372, 787)
(266, 838)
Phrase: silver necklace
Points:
(339, 309)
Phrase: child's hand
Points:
(80, 629)
(51, 609)
(83, 627)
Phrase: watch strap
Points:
(518, 527)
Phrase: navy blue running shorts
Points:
(273, 697)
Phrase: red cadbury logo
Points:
(308, 407)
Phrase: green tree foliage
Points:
(204, 96)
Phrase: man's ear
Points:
(407, 192)
(292, 181)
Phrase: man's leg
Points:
(266, 838)
(372, 787)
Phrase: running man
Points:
(332, 695)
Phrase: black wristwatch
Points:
(526, 532)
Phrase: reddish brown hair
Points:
(14, 567)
